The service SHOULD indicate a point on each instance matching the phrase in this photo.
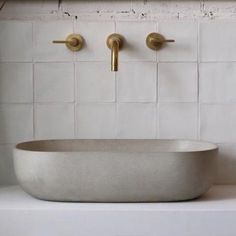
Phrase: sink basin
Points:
(115, 170)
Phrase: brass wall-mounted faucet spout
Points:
(115, 43)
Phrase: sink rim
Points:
(206, 146)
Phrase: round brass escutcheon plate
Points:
(74, 42)
(155, 41)
(113, 37)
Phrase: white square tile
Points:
(7, 174)
(54, 82)
(185, 46)
(218, 122)
(137, 82)
(217, 41)
(16, 123)
(96, 120)
(226, 166)
(177, 82)
(54, 121)
(135, 34)
(95, 48)
(16, 82)
(95, 82)
(47, 31)
(16, 41)
(217, 82)
(137, 120)
(178, 120)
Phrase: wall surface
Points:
(187, 90)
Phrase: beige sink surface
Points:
(115, 170)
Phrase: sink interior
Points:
(123, 145)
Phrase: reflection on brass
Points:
(74, 42)
(155, 41)
(115, 43)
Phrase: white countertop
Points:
(218, 198)
(214, 214)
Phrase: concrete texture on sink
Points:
(115, 170)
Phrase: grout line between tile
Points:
(34, 106)
(157, 102)
(113, 102)
(75, 101)
(33, 81)
(198, 84)
(126, 61)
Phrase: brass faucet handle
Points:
(155, 41)
(74, 42)
(168, 41)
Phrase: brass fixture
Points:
(115, 43)
(74, 42)
(155, 41)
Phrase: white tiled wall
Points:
(136, 120)
(184, 49)
(178, 120)
(43, 34)
(96, 120)
(137, 82)
(54, 121)
(186, 90)
(95, 82)
(178, 82)
(17, 38)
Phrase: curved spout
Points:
(114, 55)
(114, 42)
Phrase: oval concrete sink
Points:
(115, 170)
